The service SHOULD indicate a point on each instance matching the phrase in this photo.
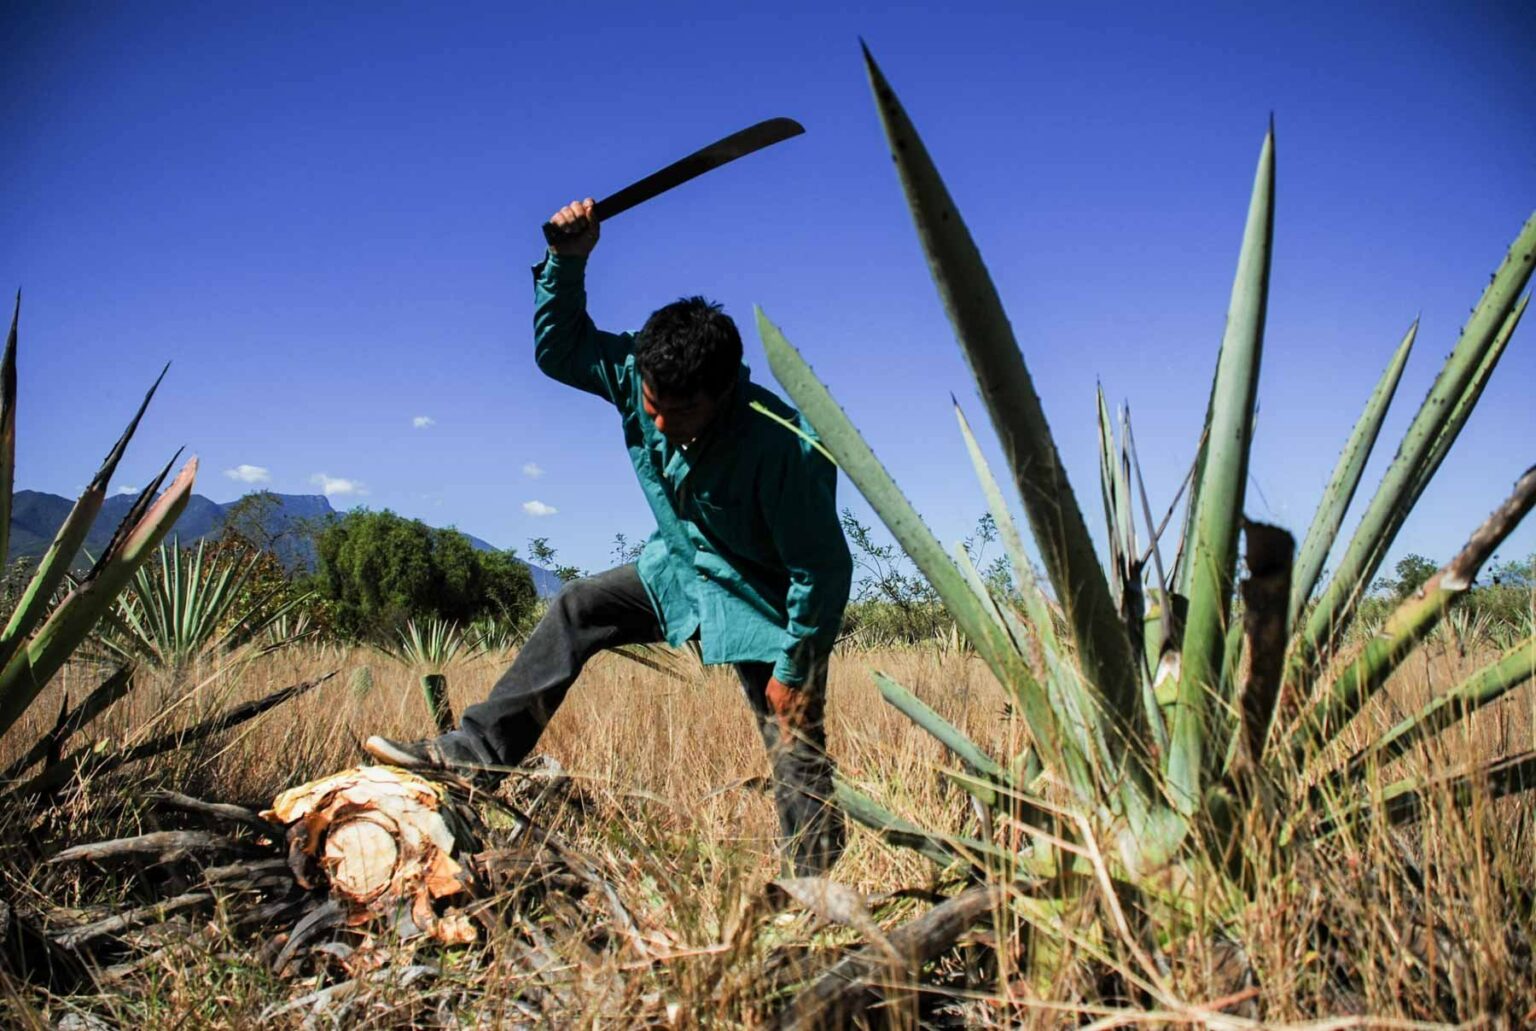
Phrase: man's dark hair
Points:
(687, 347)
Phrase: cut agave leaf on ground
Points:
(1405, 801)
(95, 760)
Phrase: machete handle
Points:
(559, 234)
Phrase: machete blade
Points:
(721, 152)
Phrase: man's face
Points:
(681, 419)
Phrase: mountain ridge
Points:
(37, 515)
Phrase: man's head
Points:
(688, 354)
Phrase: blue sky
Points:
(324, 215)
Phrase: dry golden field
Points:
(1433, 923)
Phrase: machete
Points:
(721, 152)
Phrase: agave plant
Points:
(40, 636)
(194, 604)
(1176, 709)
(495, 636)
(429, 647)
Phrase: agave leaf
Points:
(1162, 629)
(1084, 749)
(1223, 717)
(1125, 511)
(72, 722)
(1009, 395)
(946, 733)
(1117, 559)
(1487, 685)
(1432, 432)
(134, 519)
(1083, 727)
(1469, 398)
(1408, 624)
(944, 850)
(1036, 607)
(8, 433)
(1511, 775)
(1047, 852)
(1403, 801)
(1346, 478)
(1153, 551)
(1061, 673)
(32, 666)
(1182, 558)
(1012, 629)
(55, 563)
(1120, 526)
(1218, 515)
(854, 457)
(94, 762)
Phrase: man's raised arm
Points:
(567, 346)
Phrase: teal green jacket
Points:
(748, 552)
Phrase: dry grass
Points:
(1427, 924)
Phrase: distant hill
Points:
(36, 516)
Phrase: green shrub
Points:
(378, 570)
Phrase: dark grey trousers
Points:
(612, 609)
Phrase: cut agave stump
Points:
(385, 843)
(335, 865)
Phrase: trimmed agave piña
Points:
(38, 639)
(1170, 719)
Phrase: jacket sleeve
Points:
(566, 345)
(800, 504)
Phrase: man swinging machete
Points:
(748, 556)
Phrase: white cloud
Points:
(336, 486)
(532, 470)
(421, 422)
(125, 489)
(249, 474)
(538, 508)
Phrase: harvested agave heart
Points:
(382, 841)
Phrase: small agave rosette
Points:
(381, 839)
